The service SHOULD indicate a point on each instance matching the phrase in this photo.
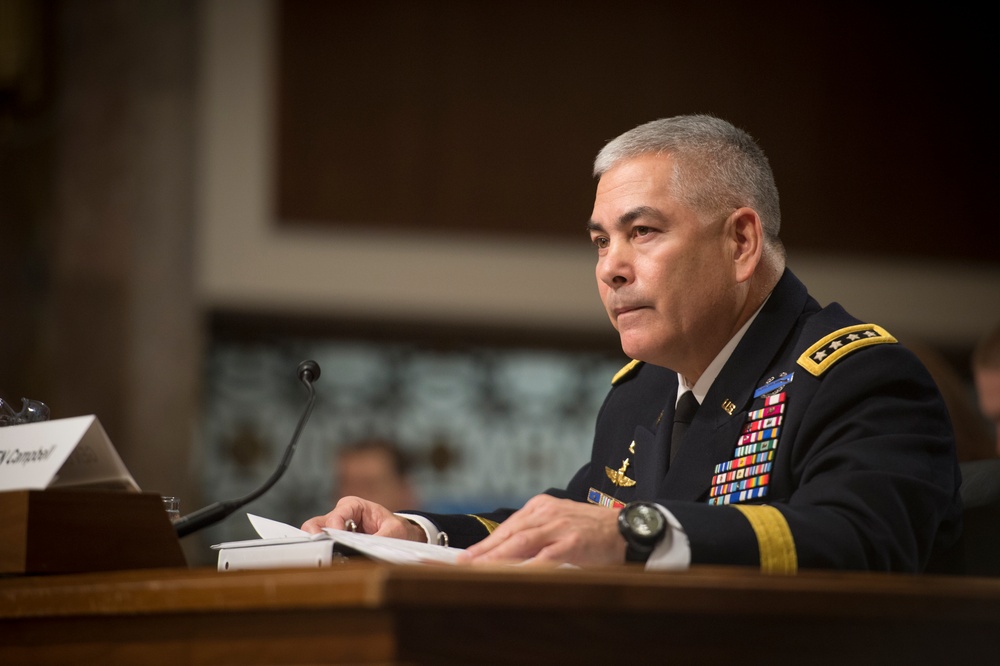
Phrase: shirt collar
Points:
(700, 388)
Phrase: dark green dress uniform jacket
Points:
(822, 443)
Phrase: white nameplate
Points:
(61, 453)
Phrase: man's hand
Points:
(550, 530)
(370, 518)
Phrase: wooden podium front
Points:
(72, 531)
(363, 613)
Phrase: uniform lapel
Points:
(651, 461)
(712, 435)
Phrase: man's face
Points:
(988, 390)
(665, 274)
(371, 475)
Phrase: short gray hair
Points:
(717, 165)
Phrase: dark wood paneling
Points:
(484, 117)
(282, 328)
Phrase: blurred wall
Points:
(98, 224)
(390, 269)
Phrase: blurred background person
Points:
(377, 470)
(973, 439)
(986, 374)
(981, 478)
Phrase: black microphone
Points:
(308, 373)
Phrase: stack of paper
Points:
(282, 545)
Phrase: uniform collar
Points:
(700, 388)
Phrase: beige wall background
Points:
(136, 202)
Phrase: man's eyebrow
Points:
(629, 217)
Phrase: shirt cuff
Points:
(674, 551)
(429, 528)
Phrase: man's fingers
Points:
(517, 545)
(348, 508)
(315, 525)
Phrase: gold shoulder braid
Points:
(818, 358)
(625, 372)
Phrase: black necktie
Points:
(683, 415)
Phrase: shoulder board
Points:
(625, 372)
(818, 358)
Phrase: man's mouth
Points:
(627, 309)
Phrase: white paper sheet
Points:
(384, 549)
(395, 551)
(272, 529)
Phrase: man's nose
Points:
(614, 268)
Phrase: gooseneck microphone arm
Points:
(308, 372)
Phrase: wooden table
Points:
(364, 613)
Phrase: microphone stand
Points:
(308, 372)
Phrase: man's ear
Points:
(747, 234)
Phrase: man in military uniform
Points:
(754, 427)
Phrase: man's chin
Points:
(635, 349)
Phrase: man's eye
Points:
(641, 231)
(601, 242)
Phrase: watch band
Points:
(633, 554)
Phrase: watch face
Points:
(645, 521)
